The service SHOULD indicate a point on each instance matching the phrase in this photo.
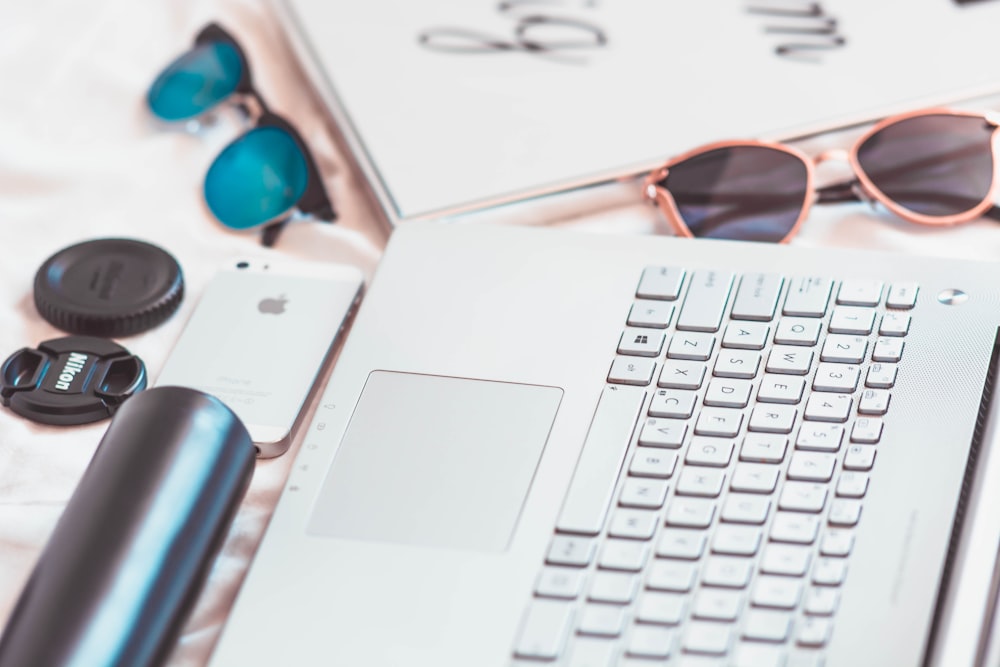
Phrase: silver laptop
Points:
(546, 447)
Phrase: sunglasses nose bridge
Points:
(830, 155)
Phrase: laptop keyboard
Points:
(712, 511)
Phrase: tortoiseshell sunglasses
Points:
(932, 167)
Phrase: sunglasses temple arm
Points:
(837, 193)
(847, 192)
(270, 232)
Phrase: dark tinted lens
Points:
(933, 165)
(748, 193)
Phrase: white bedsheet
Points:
(80, 159)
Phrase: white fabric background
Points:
(80, 158)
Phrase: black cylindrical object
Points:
(137, 539)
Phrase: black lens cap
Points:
(109, 287)
(71, 380)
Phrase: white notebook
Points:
(454, 105)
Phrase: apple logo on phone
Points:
(272, 306)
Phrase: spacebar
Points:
(589, 496)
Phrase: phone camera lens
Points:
(243, 265)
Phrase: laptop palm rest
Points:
(436, 461)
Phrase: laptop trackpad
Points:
(436, 461)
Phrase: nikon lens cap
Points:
(71, 380)
(108, 287)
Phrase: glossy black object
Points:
(128, 557)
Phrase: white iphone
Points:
(260, 339)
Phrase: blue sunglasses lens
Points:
(195, 82)
(256, 178)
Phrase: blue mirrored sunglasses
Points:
(264, 176)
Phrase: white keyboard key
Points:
(776, 592)
(746, 335)
(786, 559)
(727, 571)
(794, 527)
(829, 407)
(836, 542)
(874, 402)
(737, 364)
(852, 320)
(699, 481)
(881, 376)
(773, 418)
(661, 283)
(789, 360)
(592, 652)
(844, 512)
(633, 524)
(691, 345)
(781, 389)
(641, 342)
(647, 641)
(661, 432)
(763, 448)
(814, 631)
(681, 543)
(670, 575)
(705, 303)
(754, 478)
(613, 587)
(902, 296)
(829, 571)
(590, 493)
(690, 512)
(766, 625)
(624, 555)
(812, 466)
(843, 349)
(602, 620)
(650, 314)
(802, 497)
(757, 297)
(888, 349)
(753, 654)
(746, 509)
(713, 452)
(797, 331)
(672, 403)
(632, 370)
(681, 374)
(808, 297)
(720, 422)
(841, 378)
(652, 462)
(569, 550)
(867, 430)
(859, 457)
(894, 324)
(820, 437)
(822, 601)
(852, 484)
(544, 630)
(661, 608)
(560, 582)
(860, 292)
(707, 638)
(643, 493)
(726, 393)
(736, 540)
(717, 605)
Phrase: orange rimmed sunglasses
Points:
(932, 167)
